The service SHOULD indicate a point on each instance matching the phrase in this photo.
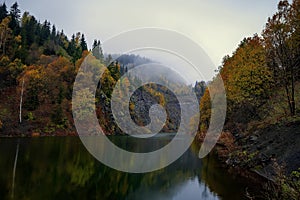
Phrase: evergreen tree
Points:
(83, 43)
(15, 18)
(200, 89)
(53, 32)
(45, 32)
(3, 11)
(97, 50)
(108, 60)
(72, 46)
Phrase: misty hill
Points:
(38, 66)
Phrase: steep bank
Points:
(269, 155)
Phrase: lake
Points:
(61, 168)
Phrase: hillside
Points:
(38, 66)
(262, 83)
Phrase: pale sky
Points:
(216, 25)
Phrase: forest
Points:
(261, 80)
(38, 66)
(39, 63)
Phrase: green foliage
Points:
(199, 89)
(30, 116)
(253, 75)
(97, 50)
(49, 129)
(284, 187)
(15, 68)
(205, 111)
(3, 11)
(57, 116)
(114, 69)
(83, 43)
(15, 17)
(107, 83)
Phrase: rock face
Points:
(142, 100)
(140, 104)
(273, 146)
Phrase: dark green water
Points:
(61, 168)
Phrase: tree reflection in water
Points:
(61, 168)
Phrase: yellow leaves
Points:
(205, 110)
(58, 64)
(131, 106)
(15, 68)
(160, 98)
(5, 22)
(5, 33)
(107, 83)
(248, 77)
(107, 78)
(35, 73)
(18, 39)
(34, 76)
(153, 90)
(4, 62)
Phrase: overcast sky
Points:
(217, 25)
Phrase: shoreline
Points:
(222, 151)
(268, 156)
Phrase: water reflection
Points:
(61, 168)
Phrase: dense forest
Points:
(38, 66)
(39, 62)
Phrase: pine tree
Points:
(3, 11)
(97, 50)
(72, 46)
(53, 32)
(15, 18)
(83, 43)
(45, 32)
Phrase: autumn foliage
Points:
(259, 69)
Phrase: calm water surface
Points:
(61, 168)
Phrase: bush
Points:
(284, 187)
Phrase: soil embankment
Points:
(263, 152)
